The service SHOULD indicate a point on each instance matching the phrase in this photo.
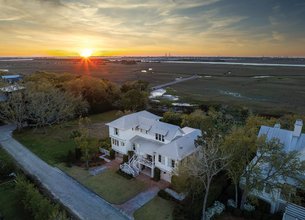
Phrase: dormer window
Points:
(160, 137)
(116, 131)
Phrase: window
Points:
(159, 158)
(173, 163)
(160, 137)
(122, 143)
(116, 131)
(115, 142)
(146, 132)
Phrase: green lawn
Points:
(5, 157)
(54, 144)
(157, 208)
(109, 185)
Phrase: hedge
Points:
(157, 174)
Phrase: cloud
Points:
(152, 26)
(278, 36)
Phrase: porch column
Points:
(152, 172)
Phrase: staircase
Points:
(132, 167)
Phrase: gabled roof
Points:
(286, 137)
(132, 120)
(168, 130)
(10, 76)
(181, 146)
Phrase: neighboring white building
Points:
(154, 143)
(292, 141)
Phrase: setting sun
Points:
(85, 53)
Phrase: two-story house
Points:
(292, 141)
(154, 143)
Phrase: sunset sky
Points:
(154, 27)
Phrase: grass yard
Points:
(109, 185)
(54, 144)
(157, 208)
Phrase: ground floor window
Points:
(159, 158)
(173, 163)
(115, 142)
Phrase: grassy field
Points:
(284, 91)
(53, 145)
(109, 185)
(157, 208)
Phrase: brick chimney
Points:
(298, 125)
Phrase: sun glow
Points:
(86, 53)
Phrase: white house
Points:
(154, 143)
(292, 141)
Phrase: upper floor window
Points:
(159, 158)
(160, 137)
(116, 131)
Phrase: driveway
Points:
(79, 200)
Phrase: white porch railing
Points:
(133, 166)
(145, 161)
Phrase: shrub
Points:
(157, 174)
(164, 195)
(130, 154)
(78, 154)
(112, 154)
(105, 143)
(125, 158)
(70, 158)
(123, 174)
(39, 206)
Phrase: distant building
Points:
(11, 78)
(5, 91)
(153, 143)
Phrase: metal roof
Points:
(286, 137)
(181, 146)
